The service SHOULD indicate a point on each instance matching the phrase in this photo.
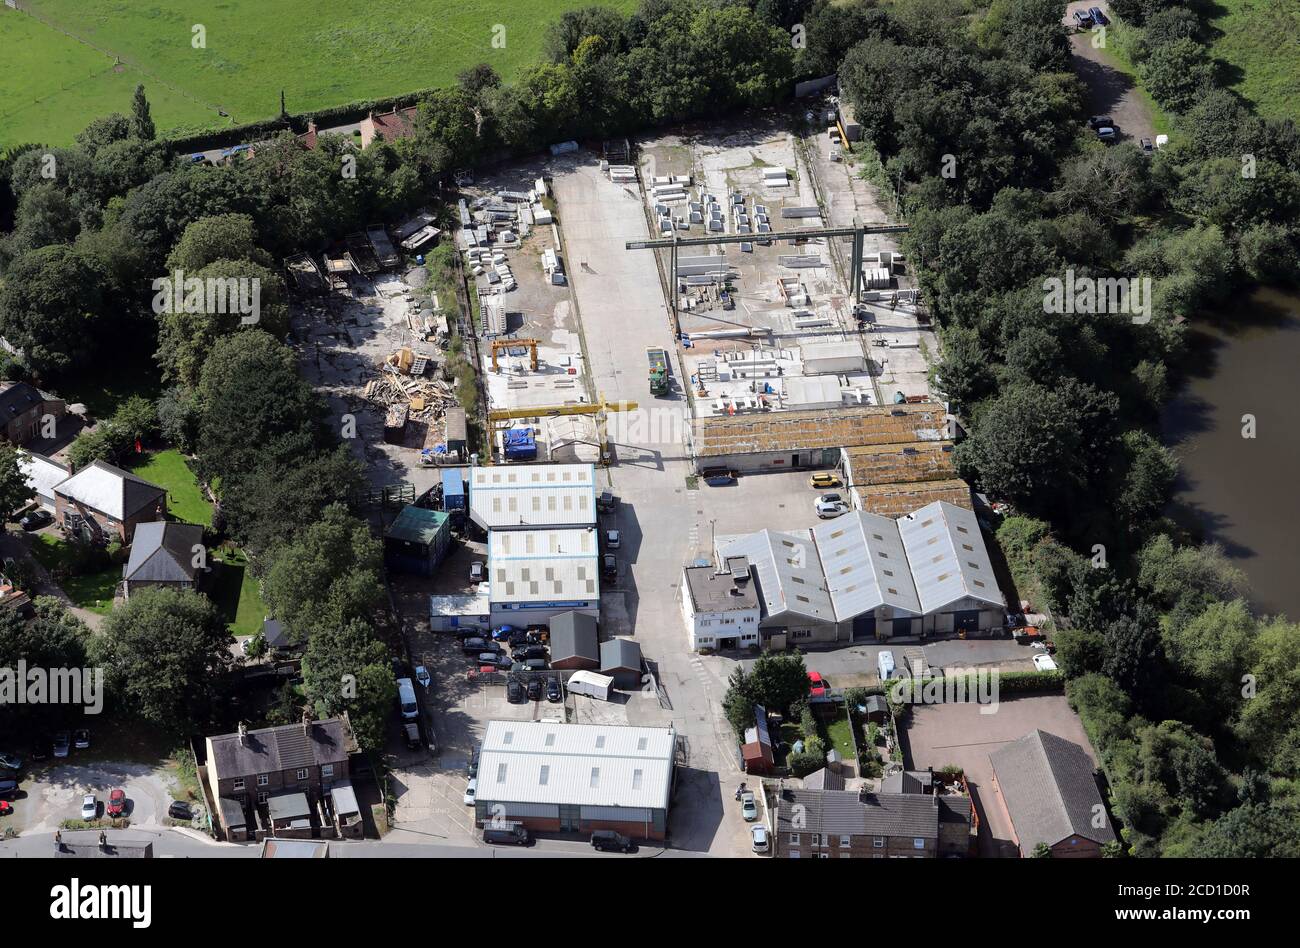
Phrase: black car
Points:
(534, 689)
(411, 732)
(553, 690)
(610, 841)
(609, 566)
(494, 658)
(476, 645)
(1101, 121)
(35, 520)
(515, 691)
(8, 787)
(524, 652)
(180, 810)
(471, 765)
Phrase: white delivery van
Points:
(406, 698)
(589, 683)
(885, 663)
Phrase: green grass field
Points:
(320, 55)
(185, 501)
(1259, 40)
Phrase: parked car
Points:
(831, 510)
(36, 520)
(473, 646)
(411, 731)
(6, 808)
(89, 807)
(1044, 663)
(816, 684)
(536, 664)
(10, 761)
(477, 571)
(1108, 135)
(8, 787)
(41, 747)
(758, 834)
(524, 652)
(606, 502)
(81, 738)
(610, 841)
(824, 479)
(553, 690)
(62, 744)
(613, 539)
(494, 660)
(423, 677)
(1147, 147)
(510, 833)
(471, 762)
(1098, 16)
(609, 566)
(116, 802)
(1101, 121)
(748, 806)
(1082, 19)
(534, 689)
(470, 789)
(180, 810)
(718, 476)
(515, 691)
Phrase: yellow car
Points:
(824, 480)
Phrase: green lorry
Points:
(658, 359)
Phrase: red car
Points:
(816, 684)
(116, 802)
(6, 807)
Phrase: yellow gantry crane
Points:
(598, 408)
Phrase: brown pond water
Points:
(1244, 493)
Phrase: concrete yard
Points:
(958, 734)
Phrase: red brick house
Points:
(1048, 788)
(856, 824)
(103, 501)
(22, 407)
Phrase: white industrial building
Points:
(529, 496)
(864, 576)
(577, 778)
(536, 574)
(721, 607)
(816, 391)
(821, 358)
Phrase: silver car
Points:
(89, 807)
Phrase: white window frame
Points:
(794, 839)
(263, 780)
(237, 784)
(303, 773)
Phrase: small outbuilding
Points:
(575, 645)
(417, 541)
(620, 659)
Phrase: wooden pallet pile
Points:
(426, 398)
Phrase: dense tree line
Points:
(1187, 695)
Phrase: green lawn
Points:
(1258, 42)
(93, 591)
(841, 734)
(185, 501)
(319, 55)
(234, 590)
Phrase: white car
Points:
(470, 791)
(1044, 663)
(613, 540)
(829, 510)
(89, 807)
(748, 808)
(422, 676)
(759, 836)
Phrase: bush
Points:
(802, 764)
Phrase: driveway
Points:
(1110, 92)
(942, 734)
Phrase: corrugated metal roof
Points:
(865, 565)
(417, 525)
(896, 500)
(543, 565)
(812, 429)
(535, 495)
(580, 764)
(948, 556)
(789, 573)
